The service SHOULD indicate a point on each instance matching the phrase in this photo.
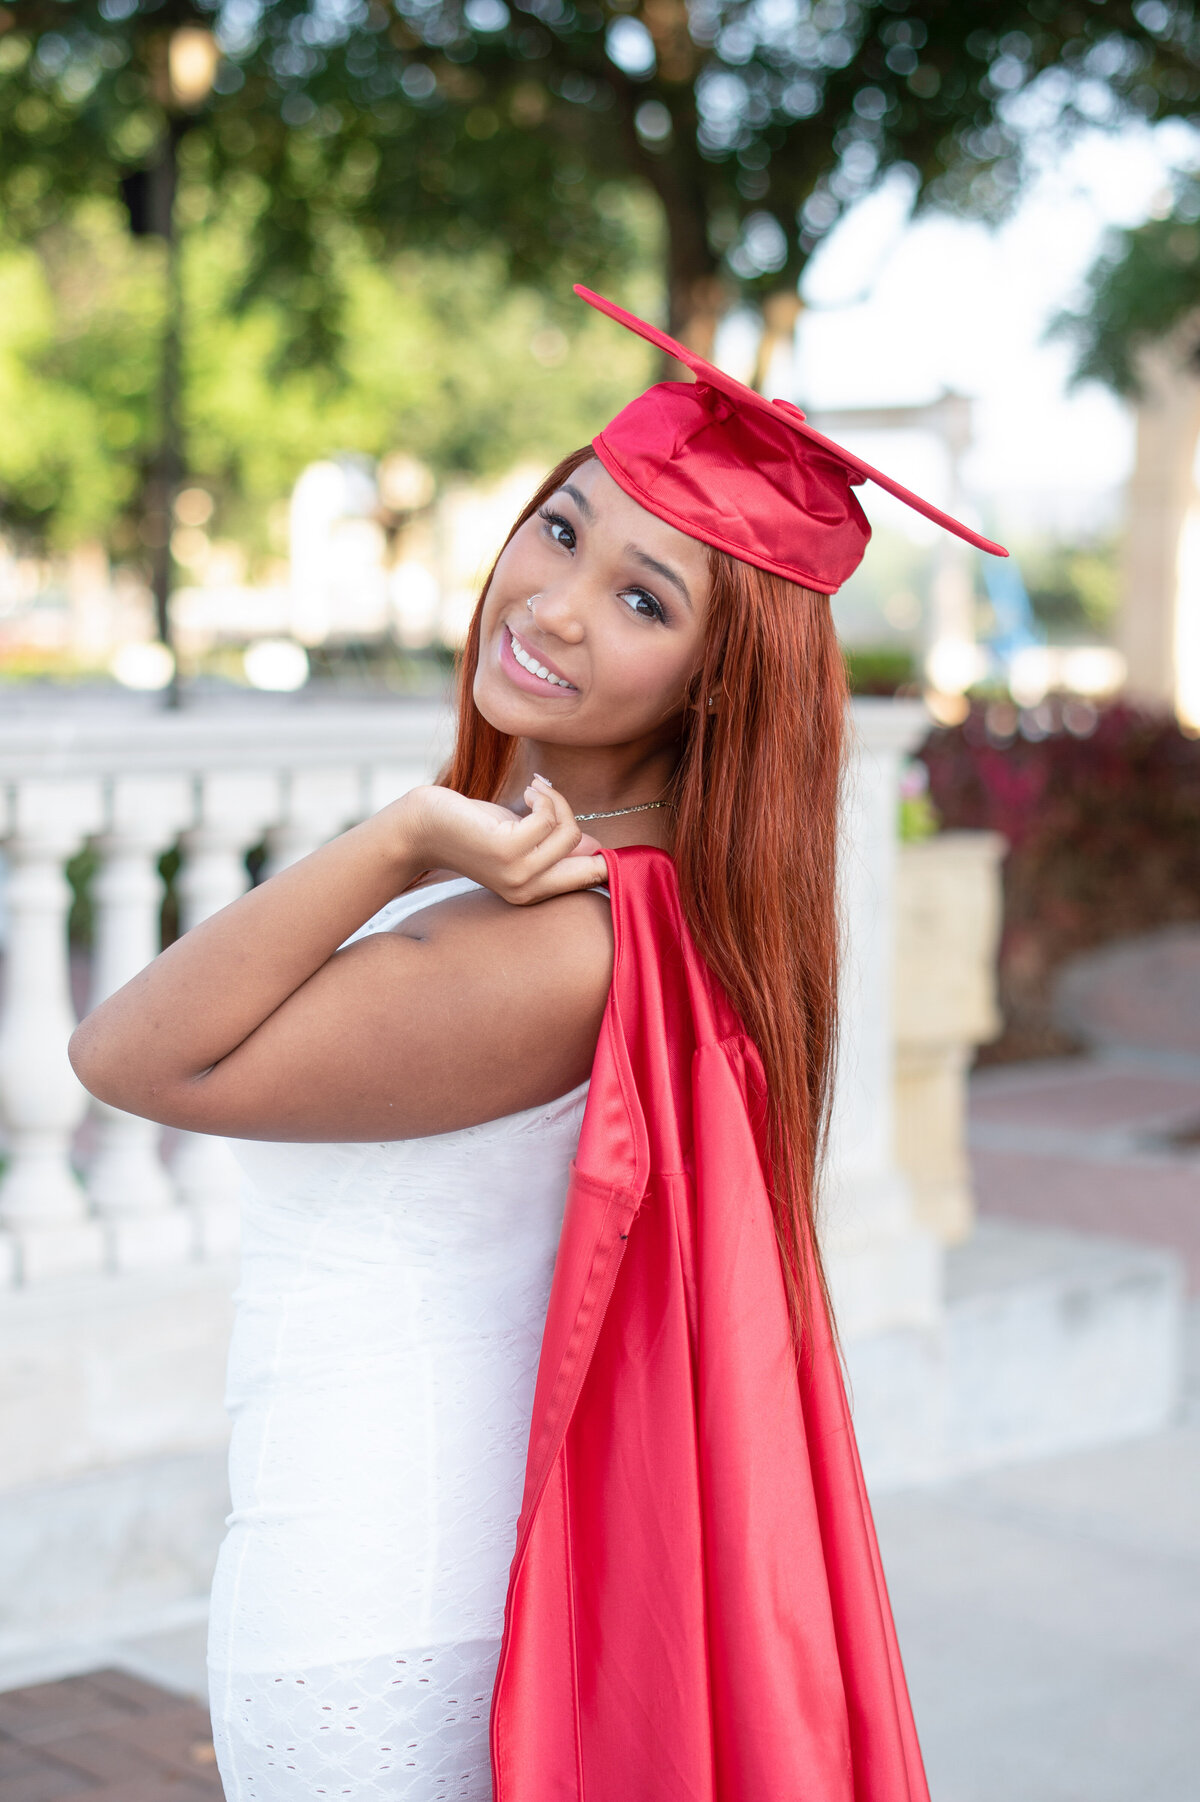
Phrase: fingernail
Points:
(544, 779)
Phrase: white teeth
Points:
(527, 662)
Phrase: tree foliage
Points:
(488, 124)
(439, 356)
(384, 205)
(1144, 285)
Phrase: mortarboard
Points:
(746, 474)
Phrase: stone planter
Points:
(948, 916)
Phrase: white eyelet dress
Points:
(381, 1375)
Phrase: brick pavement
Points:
(104, 1737)
(1102, 1145)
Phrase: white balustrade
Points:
(42, 1203)
(218, 783)
(315, 805)
(386, 782)
(232, 814)
(128, 1186)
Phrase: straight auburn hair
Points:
(756, 795)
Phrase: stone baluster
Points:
(317, 805)
(885, 1271)
(232, 812)
(42, 1203)
(388, 781)
(129, 1186)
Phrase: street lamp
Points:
(192, 60)
(183, 69)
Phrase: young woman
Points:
(399, 1031)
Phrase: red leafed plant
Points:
(1101, 809)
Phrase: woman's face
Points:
(618, 617)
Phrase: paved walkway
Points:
(1050, 1613)
(1049, 1618)
(1104, 1145)
(104, 1737)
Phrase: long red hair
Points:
(756, 794)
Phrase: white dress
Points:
(381, 1374)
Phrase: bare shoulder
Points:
(546, 967)
(489, 1008)
(580, 923)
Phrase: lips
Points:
(537, 658)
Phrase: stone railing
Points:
(220, 780)
(213, 783)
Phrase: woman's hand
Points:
(523, 860)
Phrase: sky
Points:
(899, 310)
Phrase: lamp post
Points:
(183, 68)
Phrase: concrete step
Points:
(1052, 1341)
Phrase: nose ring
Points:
(530, 599)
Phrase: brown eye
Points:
(560, 530)
(640, 594)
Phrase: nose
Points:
(557, 610)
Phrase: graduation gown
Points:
(696, 1608)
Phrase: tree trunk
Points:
(697, 303)
(697, 297)
(780, 312)
(1162, 494)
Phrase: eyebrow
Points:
(581, 501)
(662, 569)
(631, 550)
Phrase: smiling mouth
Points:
(529, 662)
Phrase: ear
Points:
(699, 705)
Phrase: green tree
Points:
(471, 123)
(512, 129)
(1142, 288)
(438, 355)
(1138, 332)
(79, 324)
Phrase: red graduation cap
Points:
(744, 473)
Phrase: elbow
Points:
(102, 1067)
(88, 1060)
(122, 1076)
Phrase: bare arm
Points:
(256, 1025)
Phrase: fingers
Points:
(546, 865)
(543, 816)
(553, 828)
(571, 873)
